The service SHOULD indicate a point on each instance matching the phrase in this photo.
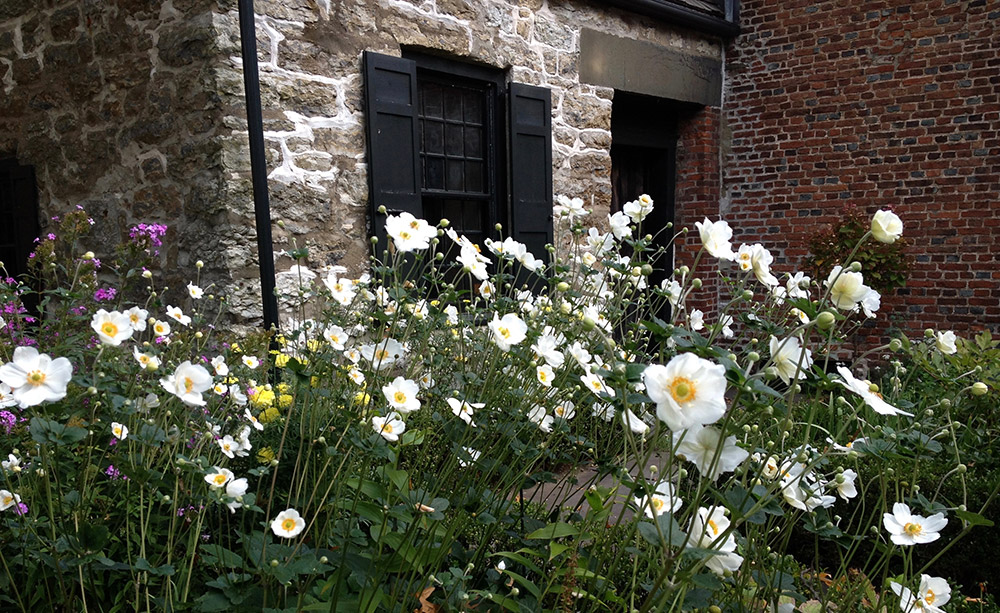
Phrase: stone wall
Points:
(115, 105)
(310, 53)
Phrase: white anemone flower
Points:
(119, 431)
(542, 419)
(545, 375)
(508, 330)
(253, 419)
(147, 360)
(219, 365)
(401, 394)
(383, 354)
(711, 454)
(188, 382)
(219, 477)
(845, 484)
(194, 291)
(906, 528)
(474, 456)
(564, 410)
(464, 410)
(390, 426)
(235, 489)
(8, 499)
(715, 236)
(12, 463)
(35, 377)
(791, 360)
(847, 288)
(229, 446)
(757, 259)
(634, 423)
(6, 396)
(619, 223)
(945, 342)
(662, 500)
(688, 391)
(863, 389)
(336, 336)
(571, 208)
(341, 290)
(709, 531)
(934, 593)
(111, 327)
(178, 315)
(409, 233)
(137, 318)
(288, 524)
(887, 227)
(161, 328)
(696, 320)
(595, 383)
(638, 209)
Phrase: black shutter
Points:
(18, 215)
(393, 145)
(531, 167)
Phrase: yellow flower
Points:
(285, 401)
(265, 455)
(281, 360)
(262, 396)
(268, 415)
(313, 345)
(236, 347)
(362, 398)
(314, 381)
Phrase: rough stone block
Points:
(63, 24)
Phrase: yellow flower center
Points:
(8, 500)
(219, 479)
(930, 597)
(714, 527)
(288, 525)
(188, 385)
(504, 332)
(109, 329)
(399, 397)
(596, 384)
(404, 235)
(381, 354)
(657, 504)
(387, 427)
(913, 529)
(542, 376)
(415, 224)
(36, 378)
(682, 390)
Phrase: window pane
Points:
(453, 140)
(473, 142)
(433, 137)
(433, 173)
(455, 174)
(453, 104)
(474, 180)
(430, 98)
(474, 107)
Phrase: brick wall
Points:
(881, 104)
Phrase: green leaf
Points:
(557, 548)
(412, 437)
(214, 554)
(554, 531)
(212, 601)
(974, 519)
(396, 476)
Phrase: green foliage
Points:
(886, 266)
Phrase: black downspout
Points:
(258, 164)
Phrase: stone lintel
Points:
(646, 68)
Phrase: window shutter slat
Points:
(392, 131)
(531, 167)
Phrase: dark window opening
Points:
(18, 220)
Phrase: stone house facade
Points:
(135, 109)
(770, 114)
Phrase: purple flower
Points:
(105, 294)
(114, 473)
(22, 509)
(153, 232)
(7, 421)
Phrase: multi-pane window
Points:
(454, 140)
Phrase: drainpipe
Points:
(258, 164)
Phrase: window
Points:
(454, 140)
(18, 215)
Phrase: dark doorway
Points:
(643, 161)
(18, 222)
(18, 215)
